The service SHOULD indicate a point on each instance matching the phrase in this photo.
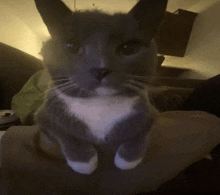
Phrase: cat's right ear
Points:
(53, 13)
(149, 14)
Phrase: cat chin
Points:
(82, 167)
(125, 165)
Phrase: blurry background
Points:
(21, 27)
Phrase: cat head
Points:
(92, 53)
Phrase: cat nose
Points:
(100, 73)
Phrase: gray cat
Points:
(93, 59)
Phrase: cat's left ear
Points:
(149, 14)
(53, 13)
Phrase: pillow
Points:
(31, 96)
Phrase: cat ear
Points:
(149, 14)
(53, 13)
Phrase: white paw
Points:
(84, 168)
(123, 164)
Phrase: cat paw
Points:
(123, 164)
(82, 167)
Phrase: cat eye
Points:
(131, 47)
(70, 47)
(73, 48)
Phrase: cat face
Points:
(93, 53)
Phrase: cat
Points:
(93, 59)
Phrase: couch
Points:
(16, 67)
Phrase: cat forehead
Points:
(88, 23)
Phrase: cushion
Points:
(30, 97)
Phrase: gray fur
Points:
(92, 67)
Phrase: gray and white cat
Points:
(93, 59)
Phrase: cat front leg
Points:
(130, 154)
(81, 156)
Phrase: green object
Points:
(31, 96)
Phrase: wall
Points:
(203, 51)
(16, 33)
(110, 6)
(22, 27)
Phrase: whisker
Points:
(63, 81)
(130, 86)
(63, 88)
(66, 87)
(137, 83)
(60, 79)
(64, 84)
(145, 80)
(140, 78)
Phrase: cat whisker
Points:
(64, 89)
(142, 91)
(130, 86)
(133, 76)
(64, 81)
(137, 84)
(57, 80)
(143, 79)
(69, 82)
(62, 77)
(67, 89)
(65, 84)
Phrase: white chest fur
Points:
(101, 113)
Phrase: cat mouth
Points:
(109, 91)
(106, 91)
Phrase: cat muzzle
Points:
(106, 91)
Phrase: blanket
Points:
(177, 140)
